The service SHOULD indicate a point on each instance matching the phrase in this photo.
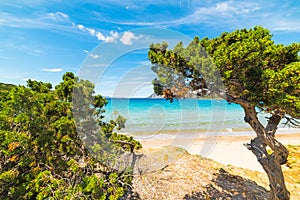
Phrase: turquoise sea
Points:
(149, 118)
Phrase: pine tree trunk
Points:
(270, 161)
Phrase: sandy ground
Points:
(227, 150)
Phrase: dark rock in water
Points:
(155, 96)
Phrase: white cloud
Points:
(113, 36)
(100, 36)
(97, 65)
(221, 7)
(52, 20)
(81, 27)
(127, 38)
(228, 12)
(58, 20)
(35, 52)
(285, 25)
(219, 11)
(85, 51)
(215, 13)
(94, 56)
(58, 17)
(52, 69)
(91, 31)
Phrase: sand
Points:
(228, 150)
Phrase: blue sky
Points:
(107, 40)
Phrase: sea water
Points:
(149, 118)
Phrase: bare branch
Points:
(292, 122)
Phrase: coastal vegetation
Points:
(42, 156)
(55, 143)
(244, 67)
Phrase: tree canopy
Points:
(255, 69)
(41, 153)
(251, 66)
(244, 67)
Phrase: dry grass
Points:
(172, 173)
(292, 171)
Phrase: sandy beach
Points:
(228, 150)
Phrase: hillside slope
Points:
(192, 177)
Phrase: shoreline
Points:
(200, 133)
(228, 150)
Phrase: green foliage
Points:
(255, 69)
(121, 137)
(120, 121)
(283, 88)
(157, 87)
(4, 90)
(182, 69)
(250, 65)
(41, 153)
(39, 86)
(256, 74)
(64, 89)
